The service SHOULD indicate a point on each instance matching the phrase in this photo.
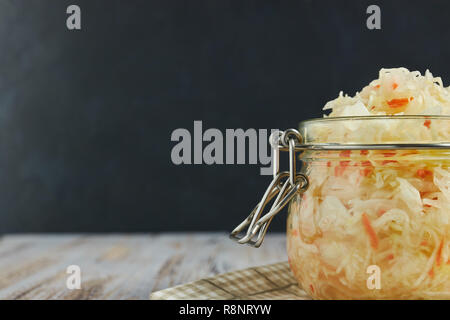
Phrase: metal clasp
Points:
(284, 186)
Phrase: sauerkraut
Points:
(384, 208)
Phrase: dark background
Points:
(86, 116)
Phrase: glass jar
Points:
(374, 222)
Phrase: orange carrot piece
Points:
(408, 153)
(367, 168)
(370, 232)
(364, 152)
(394, 86)
(398, 103)
(427, 123)
(366, 163)
(366, 172)
(423, 173)
(389, 154)
(439, 253)
(339, 170)
(345, 153)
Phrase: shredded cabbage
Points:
(396, 91)
(377, 207)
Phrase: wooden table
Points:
(121, 266)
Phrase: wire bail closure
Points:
(284, 186)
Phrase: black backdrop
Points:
(86, 116)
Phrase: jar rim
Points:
(374, 117)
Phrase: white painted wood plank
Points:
(121, 266)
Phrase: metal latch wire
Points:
(284, 186)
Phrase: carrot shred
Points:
(366, 163)
(398, 103)
(394, 86)
(345, 153)
(385, 162)
(439, 253)
(431, 273)
(408, 153)
(390, 257)
(381, 212)
(389, 154)
(427, 123)
(370, 231)
(364, 152)
(366, 172)
(377, 86)
(423, 173)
